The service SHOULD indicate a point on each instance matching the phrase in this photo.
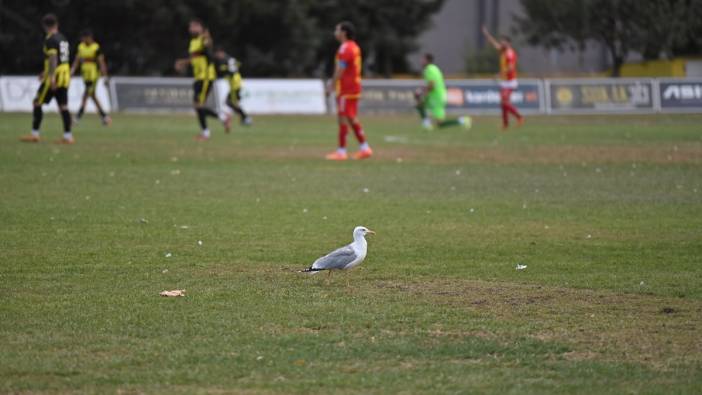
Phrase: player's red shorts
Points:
(347, 107)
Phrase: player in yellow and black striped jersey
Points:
(227, 68)
(200, 59)
(88, 57)
(54, 80)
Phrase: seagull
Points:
(346, 257)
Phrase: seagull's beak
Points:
(370, 231)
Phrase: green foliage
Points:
(272, 38)
(650, 27)
(482, 61)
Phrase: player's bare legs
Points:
(364, 150)
(37, 116)
(508, 108)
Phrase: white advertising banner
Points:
(278, 96)
(18, 92)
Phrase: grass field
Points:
(606, 212)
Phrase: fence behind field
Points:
(306, 96)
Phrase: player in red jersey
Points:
(347, 85)
(508, 73)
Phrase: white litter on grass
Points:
(324, 218)
(641, 283)
(524, 205)
(259, 358)
(304, 211)
(366, 190)
(521, 267)
(184, 227)
(398, 160)
(175, 172)
(588, 237)
(87, 197)
(174, 159)
(199, 242)
(472, 210)
(173, 293)
(143, 220)
(157, 182)
(395, 139)
(164, 271)
(168, 255)
(546, 226)
(458, 172)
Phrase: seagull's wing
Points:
(337, 259)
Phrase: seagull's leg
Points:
(329, 277)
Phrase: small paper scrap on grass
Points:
(173, 293)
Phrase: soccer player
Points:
(88, 58)
(347, 84)
(508, 72)
(200, 59)
(227, 67)
(54, 81)
(432, 100)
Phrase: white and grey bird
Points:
(346, 257)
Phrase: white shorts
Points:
(510, 84)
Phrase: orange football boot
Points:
(63, 140)
(363, 154)
(30, 138)
(336, 155)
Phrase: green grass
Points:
(605, 211)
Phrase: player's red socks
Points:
(358, 131)
(343, 131)
(508, 108)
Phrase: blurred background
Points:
(293, 38)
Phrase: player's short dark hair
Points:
(86, 33)
(49, 20)
(348, 28)
(198, 21)
(429, 57)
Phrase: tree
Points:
(650, 27)
(272, 38)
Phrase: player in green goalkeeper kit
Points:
(431, 98)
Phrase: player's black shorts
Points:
(201, 89)
(45, 94)
(90, 86)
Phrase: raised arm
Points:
(491, 39)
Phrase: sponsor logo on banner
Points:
(681, 94)
(601, 95)
(463, 96)
(455, 97)
(18, 94)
